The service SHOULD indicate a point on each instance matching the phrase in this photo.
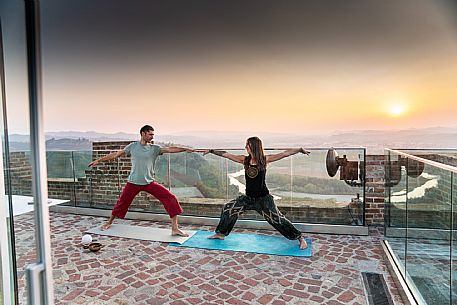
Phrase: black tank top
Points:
(255, 180)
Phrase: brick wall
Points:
(21, 174)
(374, 189)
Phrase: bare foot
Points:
(105, 226)
(178, 232)
(303, 244)
(217, 236)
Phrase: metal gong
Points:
(331, 163)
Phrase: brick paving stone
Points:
(176, 296)
(91, 293)
(72, 295)
(74, 277)
(284, 282)
(313, 289)
(250, 282)
(209, 288)
(335, 290)
(268, 281)
(105, 297)
(137, 272)
(310, 282)
(295, 293)
(317, 299)
(344, 282)
(346, 297)
(187, 274)
(115, 290)
(229, 288)
(209, 297)
(234, 275)
(260, 277)
(222, 278)
(236, 302)
(179, 281)
(223, 295)
(265, 299)
(129, 280)
(194, 301)
(248, 296)
(137, 284)
(244, 287)
(286, 298)
(152, 282)
(62, 261)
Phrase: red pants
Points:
(169, 201)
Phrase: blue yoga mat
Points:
(264, 244)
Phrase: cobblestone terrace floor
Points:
(131, 272)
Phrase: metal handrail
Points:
(425, 161)
(426, 149)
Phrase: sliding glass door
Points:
(25, 246)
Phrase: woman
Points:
(257, 196)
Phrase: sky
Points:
(275, 66)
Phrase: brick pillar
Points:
(375, 187)
(21, 174)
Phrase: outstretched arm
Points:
(108, 157)
(174, 149)
(286, 153)
(224, 154)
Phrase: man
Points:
(143, 155)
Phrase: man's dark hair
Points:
(146, 128)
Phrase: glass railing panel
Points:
(395, 210)
(235, 180)
(81, 182)
(428, 260)
(200, 183)
(163, 170)
(81, 159)
(301, 183)
(60, 165)
(203, 184)
(61, 175)
(428, 231)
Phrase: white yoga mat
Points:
(144, 233)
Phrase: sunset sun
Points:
(397, 108)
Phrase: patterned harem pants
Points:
(265, 206)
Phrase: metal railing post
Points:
(39, 275)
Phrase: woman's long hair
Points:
(255, 144)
